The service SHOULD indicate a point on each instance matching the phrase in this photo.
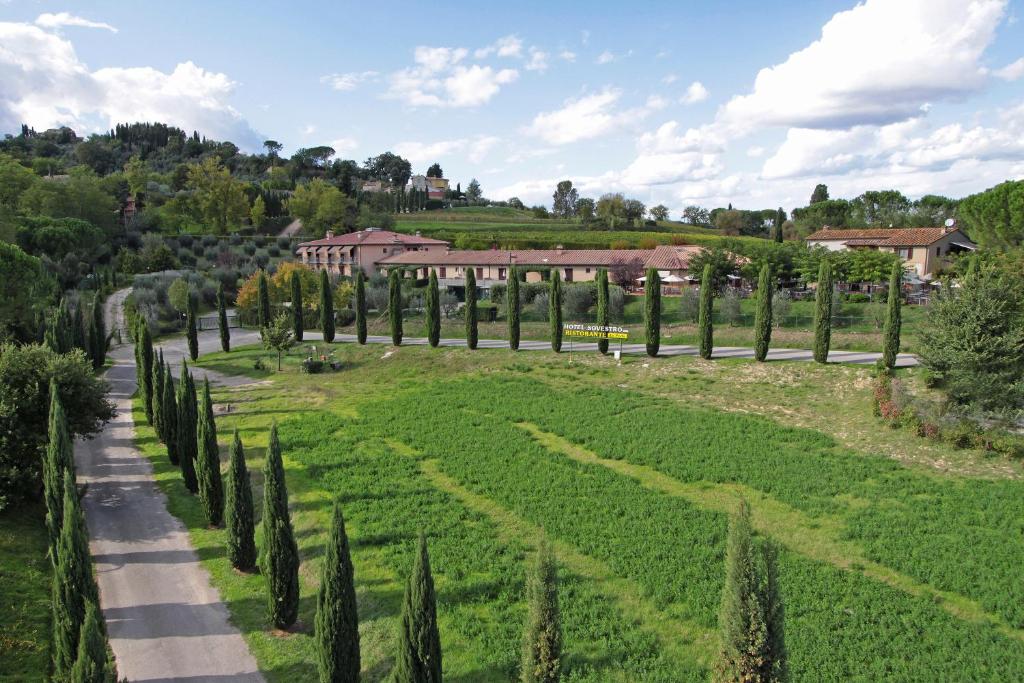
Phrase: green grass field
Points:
(24, 595)
(902, 557)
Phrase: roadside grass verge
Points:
(24, 595)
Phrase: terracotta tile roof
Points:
(667, 257)
(371, 237)
(887, 237)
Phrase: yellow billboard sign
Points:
(594, 331)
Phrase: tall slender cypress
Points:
(705, 324)
(158, 398)
(211, 485)
(337, 618)
(262, 300)
(279, 557)
(360, 307)
(297, 326)
(763, 315)
(187, 416)
(59, 459)
(893, 318)
(823, 313)
(395, 305)
(602, 306)
(326, 307)
(222, 319)
(542, 638)
(472, 332)
(239, 511)
(146, 371)
(98, 334)
(190, 329)
(78, 329)
(776, 665)
(555, 311)
(512, 307)
(652, 311)
(92, 665)
(419, 643)
(170, 417)
(780, 218)
(433, 305)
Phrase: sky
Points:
(737, 101)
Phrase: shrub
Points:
(689, 304)
(782, 303)
(262, 258)
(312, 366)
(249, 248)
(616, 302)
(345, 317)
(210, 240)
(284, 243)
(235, 239)
(540, 305)
(858, 298)
(211, 253)
(186, 259)
(274, 251)
(185, 240)
(578, 298)
(260, 241)
(730, 306)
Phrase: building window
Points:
(444, 272)
(501, 273)
(568, 274)
(479, 273)
(385, 250)
(588, 270)
(905, 253)
(938, 251)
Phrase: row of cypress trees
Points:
(80, 650)
(67, 328)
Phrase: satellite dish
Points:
(950, 222)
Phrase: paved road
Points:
(165, 619)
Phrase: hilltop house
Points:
(343, 254)
(436, 188)
(375, 186)
(922, 249)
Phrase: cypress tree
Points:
(652, 311)
(893, 319)
(262, 300)
(542, 639)
(297, 326)
(222, 319)
(326, 307)
(279, 558)
(419, 643)
(823, 313)
(146, 370)
(433, 303)
(211, 486)
(73, 582)
(602, 306)
(555, 311)
(239, 511)
(187, 415)
(337, 619)
(780, 218)
(91, 662)
(97, 334)
(78, 329)
(158, 397)
(512, 304)
(472, 334)
(63, 328)
(705, 313)
(395, 305)
(190, 329)
(763, 316)
(776, 665)
(59, 459)
(360, 307)
(169, 414)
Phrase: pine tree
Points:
(239, 511)
(297, 326)
(190, 329)
(360, 307)
(433, 304)
(602, 307)
(542, 638)
(395, 305)
(326, 307)
(893, 318)
(652, 311)
(512, 304)
(337, 619)
(211, 486)
(823, 313)
(91, 662)
(279, 557)
(262, 300)
(704, 319)
(222, 319)
(555, 311)
(169, 414)
(472, 333)
(146, 370)
(187, 416)
(763, 316)
(73, 582)
(158, 397)
(59, 460)
(419, 642)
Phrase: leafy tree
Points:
(263, 301)
(258, 212)
(652, 311)
(337, 617)
(995, 217)
(634, 210)
(82, 196)
(473, 192)
(705, 323)
(59, 459)
(880, 209)
(823, 313)
(433, 305)
(555, 311)
(512, 304)
(565, 198)
(169, 411)
(696, 215)
(542, 639)
(239, 512)
(92, 665)
(279, 557)
(659, 212)
(278, 337)
(326, 308)
(14, 180)
(893, 320)
(820, 193)
(296, 300)
(219, 198)
(188, 415)
(360, 307)
(722, 261)
(211, 486)
(472, 334)
(222, 319)
(24, 290)
(835, 213)
(763, 316)
(395, 305)
(389, 167)
(435, 171)
(585, 210)
(419, 643)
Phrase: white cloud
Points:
(343, 147)
(439, 80)
(1012, 71)
(656, 102)
(605, 57)
(875, 64)
(670, 79)
(56, 21)
(475, 149)
(587, 117)
(307, 129)
(507, 46)
(45, 85)
(538, 60)
(567, 55)
(755, 152)
(695, 93)
(347, 81)
(434, 59)
(475, 85)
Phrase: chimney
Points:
(559, 248)
(419, 234)
(330, 234)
